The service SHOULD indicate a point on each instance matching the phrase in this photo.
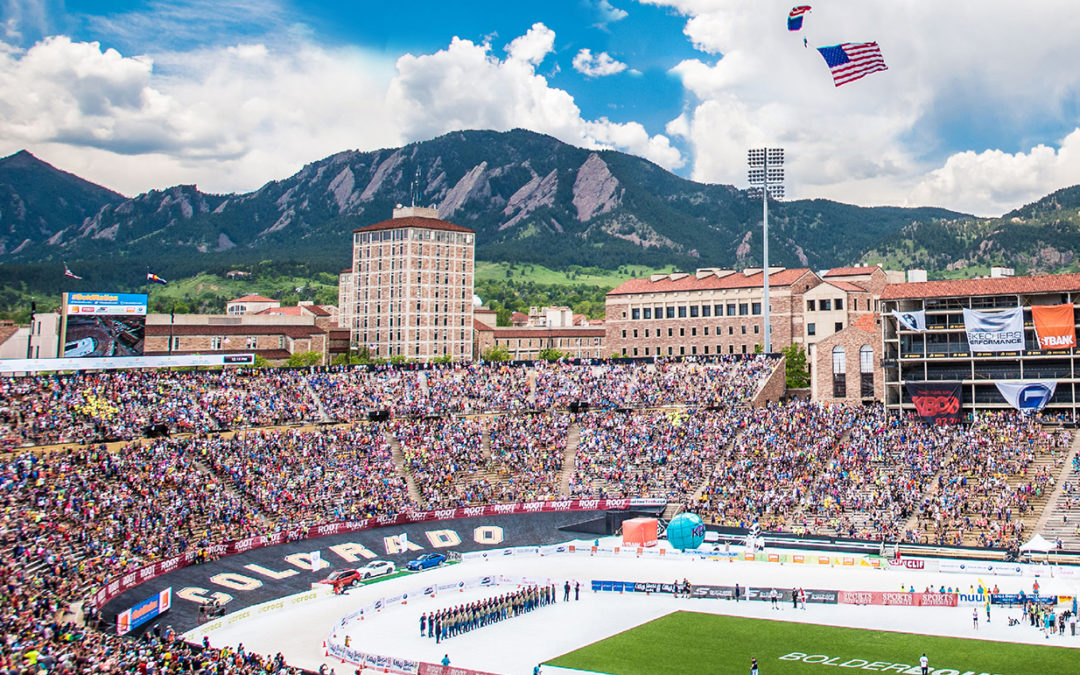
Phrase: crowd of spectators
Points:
(445, 457)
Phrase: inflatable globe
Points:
(686, 531)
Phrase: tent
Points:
(1037, 544)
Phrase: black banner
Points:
(813, 595)
(936, 402)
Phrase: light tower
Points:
(766, 176)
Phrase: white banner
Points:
(124, 362)
(1001, 331)
(316, 560)
(1028, 397)
(912, 320)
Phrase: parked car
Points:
(376, 568)
(425, 561)
(342, 578)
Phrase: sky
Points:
(979, 110)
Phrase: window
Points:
(693, 332)
(646, 351)
(250, 342)
(839, 378)
(682, 311)
(624, 334)
(635, 314)
(825, 305)
(635, 334)
(731, 309)
(744, 349)
(838, 326)
(669, 334)
(706, 310)
(809, 305)
(811, 329)
(646, 313)
(176, 343)
(646, 332)
(866, 371)
(706, 350)
(731, 330)
(635, 351)
(839, 303)
(682, 351)
(755, 308)
(670, 313)
(718, 310)
(706, 330)
(757, 329)
(694, 311)
(743, 329)
(682, 332)
(659, 312)
(744, 309)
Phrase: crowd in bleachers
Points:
(74, 518)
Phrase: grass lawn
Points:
(691, 642)
(538, 274)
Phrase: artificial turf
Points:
(696, 643)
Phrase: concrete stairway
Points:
(397, 456)
(323, 416)
(1059, 519)
(573, 439)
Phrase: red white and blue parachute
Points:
(795, 17)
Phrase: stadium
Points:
(204, 546)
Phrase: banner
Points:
(1055, 325)
(124, 362)
(1001, 331)
(1028, 397)
(913, 320)
(936, 402)
(897, 598)
(132, 618)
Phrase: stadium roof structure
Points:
(691, 282)
(954, 288)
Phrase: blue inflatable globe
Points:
(686, 531)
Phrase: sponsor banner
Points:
(897, 598)
(131, 579)
(438, 669)
(1028, 397)
(1000, 331)
(385, 664)
(936, 402)
(1055, 326)
(813, 595)
(106, 303)
(136, 616)
(1021, 598)
(123, 362)
(913, 320)
(979, 567)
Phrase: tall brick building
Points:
(713, 311)
(409, 291)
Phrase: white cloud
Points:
(887, 138)
(533, 46)
(465, 87)
(597, 65)
(609, 13)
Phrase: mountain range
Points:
(529, 197)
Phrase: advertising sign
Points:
(124, 362)
(1028, 397)
(1001, 331)
(104, 324)
(136, 616)
(936, 402)
(1055, 325)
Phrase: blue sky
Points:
(979, 110)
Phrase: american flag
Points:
(69, 274)
(795, 17)
(850, 61)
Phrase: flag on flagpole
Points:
(155, 279)
(69, 274)
(850, 61)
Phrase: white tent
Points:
(1037, 544)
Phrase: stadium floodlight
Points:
(766, 176)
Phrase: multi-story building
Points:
(411, 287)
(548, 328)
(941, 353)
(274, 337)
(250, 304)
(713, 311)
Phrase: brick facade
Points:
(846, 366)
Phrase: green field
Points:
(693, 643)
(538, 274)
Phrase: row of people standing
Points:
(448, 623)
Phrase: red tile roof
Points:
(7, 329)
(866, 322)
(481, 326)
(280, 311)
(253, 298)
(847, 286)
(1047, 283)
(709, 283)
(414, 221)
(850, 271)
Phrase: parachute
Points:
(795, 17)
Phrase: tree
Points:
(797, 375)
(495, 353)
(551, 354)
(502, 317)
(759, 348)
(303, 359)
(445, 358)
(398, 359)
(260, 362)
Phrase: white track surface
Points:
(516, 645)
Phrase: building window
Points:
(281, 341)
(635, 314)
(250, 342)
(669, 351)
(825, 305)
(731, 330)
(635, 351)
(682, 311)
(646, 313)
(755, 308)
(682, 351)
(706, 350)
(757, 329)
(646, 332)
(718, 310)
(839, 303)
(682, 332)
(839, 378)
(646, 351)
(866, 371)
(693, 350)
(731, 309)
(809, 305)
(811, 329)
(694, 310)
(706, 330)
(658, 312)
(706, 310)
(693, 332)
(669, 332)
(743, 329)
(838, 326)
(635, 334)
(670, 313)
(744, 349)
(744, 309)
(624, 334)
(176, 343)
(215, 343)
